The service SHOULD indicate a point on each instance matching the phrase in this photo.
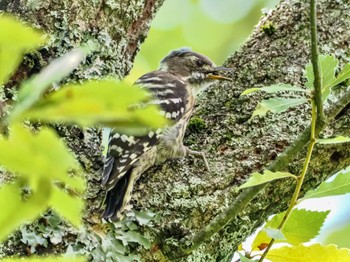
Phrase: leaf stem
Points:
(316, 117)
(300, 178)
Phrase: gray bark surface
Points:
(182, 193)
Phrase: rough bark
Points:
(187, 197)
(183, 194)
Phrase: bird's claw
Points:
(198, 154)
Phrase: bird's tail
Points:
(118, 197)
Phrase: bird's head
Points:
(193, 67)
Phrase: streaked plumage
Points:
(173, 87)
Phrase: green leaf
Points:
(15, 211)
(328, 65)
(32, 90)
(335, 140)
(267, 176)
(339, 236)
(275, 89)
(302, 226)
(38, 155)
(107, 102)
(15, 39)
(274, 233)
(338, 186)
(69, 207)
(313, 253)
(342, 76)
(46, 259)
(277, 105)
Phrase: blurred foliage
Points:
(47, 175)
(214, 28)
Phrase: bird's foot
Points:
(198, 154)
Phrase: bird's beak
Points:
(215, 73)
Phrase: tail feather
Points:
(115, 198)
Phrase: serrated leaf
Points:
(274, 233)
(46, 259)
(302, 226)
(275, 89)
(277, 105)
(15, 211)
(69, 207)
(32, 90)
(339, 186)
(107, 102)
(38, 155)
(335, 140)
(15, 39)
(313, 253)
(267, 176)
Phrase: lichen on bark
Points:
(182, 193)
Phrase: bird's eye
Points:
(199, 63)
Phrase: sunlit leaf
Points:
(46, 259)
(15, 39)
(338, 186)
(267, 176)
(335, 140)
(313, 253)
(339, 236)
(108, 102)
(38, 155)
(69, 207)
(275, 89)
(274, 233)
(301, 226)
(277, 105)
(15, 211)
(32, 90)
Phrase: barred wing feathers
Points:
(124, 151)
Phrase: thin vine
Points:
(317, 116)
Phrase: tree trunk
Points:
(185, 197)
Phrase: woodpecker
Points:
(182, 74)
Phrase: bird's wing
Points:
(170, 94)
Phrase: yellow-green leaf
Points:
(38, 155)
(267, 176)
(70, 207)
(15, 211)
(313, 253)
(277, 105)
(106, 102)
(15, 39)
(335, 140)
(301, 226)
(32, 90)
